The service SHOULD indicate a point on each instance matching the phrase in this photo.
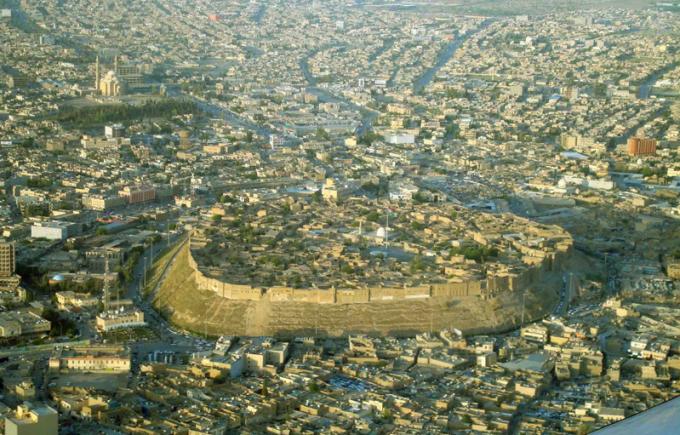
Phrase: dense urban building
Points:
(350, 217)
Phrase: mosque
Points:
(109, 85)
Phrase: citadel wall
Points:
(502, 282)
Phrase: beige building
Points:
(138, 194)
(329, 192)
(215, 149)
(9, 328)
(7, 259)
(673, 270)
(9, 280)
(118, 319)
(110, 85)
(25, 390)
(91, 363)
(32, 420)
(15, 323)
(67, 299)
(101, 202)
(536, 333)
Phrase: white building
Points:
(402, 191)
(52, 230)
(114, 131)
(401, 139)
(30, 419)
(589, 183)
(487, 359)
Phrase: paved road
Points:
(646, 87)
(325, 96)
(445, 56)
(20, 350)
(169, 338)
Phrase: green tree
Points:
(416, 264)
(322, 134)
(265, 387)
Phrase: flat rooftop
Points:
(662, 419)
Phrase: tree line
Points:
(106, 113)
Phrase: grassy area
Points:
(155, 273)
(133, 334)
(186, 306)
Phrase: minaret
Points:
(115, 64)
(96, 76)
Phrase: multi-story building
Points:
(91, 363)
(9, 280)
(535, 333)
(16, 323)
(7, 259)
(102, 202)
(114, 131)
(67, 299)
(30, 419)
(96, 258)
(641, 146)
(118, 319)
(138, 194)
(131, 75)
(54, 230)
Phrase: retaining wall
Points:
(493, 285)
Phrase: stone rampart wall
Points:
(489, 287)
